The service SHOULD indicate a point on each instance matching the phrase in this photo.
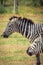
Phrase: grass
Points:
(30, 9)
(13, 49)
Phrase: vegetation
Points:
(13, 49)
(7, 6)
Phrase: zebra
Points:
(36, 48)
(29, 29)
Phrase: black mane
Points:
(20, 18)
(28, 20)
(13, 17)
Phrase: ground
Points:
(13, 49)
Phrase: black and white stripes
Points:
(29, 29)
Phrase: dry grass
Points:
(15, 54)
(13, 49)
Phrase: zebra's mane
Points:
(13, 17)
(23, 19)
(28, 20)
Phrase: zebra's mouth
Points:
(4, 35)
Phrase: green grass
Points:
(21, 9)
(6, 9)
(13, 49)
(30, 10)
(9, 9)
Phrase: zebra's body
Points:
(30, 30)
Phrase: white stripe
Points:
(31, 31)
(23, 25)
(20, 26)
(28, 30)
(25, 29)
(35, 28)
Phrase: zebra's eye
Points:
(9, 25)
(10, 29)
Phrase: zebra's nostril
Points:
(5, 36)
(30, 53)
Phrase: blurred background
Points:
(9, 6)
(26, 8)
(13, 49)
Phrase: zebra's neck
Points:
(24, 26)
(29, 30)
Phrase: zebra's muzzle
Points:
(4, 35)
(29, 52)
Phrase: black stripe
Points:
(21, 26)
(24, 21)
(19, 23)
(27, 28)
(31, 30)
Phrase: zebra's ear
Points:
(19, 18)
(13, 17)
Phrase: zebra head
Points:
(12, 26)
(34, 48)
(31, 51)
